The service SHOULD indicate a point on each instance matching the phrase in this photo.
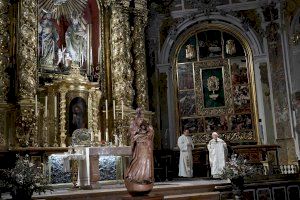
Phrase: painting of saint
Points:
(77, 115)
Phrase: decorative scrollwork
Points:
(27, 49)
(25, 126)
(140, 60)
(122, 74)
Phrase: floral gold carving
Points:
(63, 117)
(122, 73)
(27, 46)
(4, 49)
(140, 59)
(25, 126)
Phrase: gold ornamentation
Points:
(122, 74)
(203, 138)
(213, 85)
(4, 49)
(62, 117)
(96, 102)
(27, 49)
(140, 60)
(25, 126)
(228, 108)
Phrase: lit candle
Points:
(92, 136)
(55, 106)
(46, 105)
(122, 109)
(36, 106)
(106, 135)
(114, 109)
(106, 109)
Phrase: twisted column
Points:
(62, 117)
(4, 49)
(140, 69)
(122, 74)
(27, 50)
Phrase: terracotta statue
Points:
(139, 177)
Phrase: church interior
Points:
(73, 73)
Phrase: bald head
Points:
(214, 135)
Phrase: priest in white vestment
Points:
(217, 149)
(186, 146)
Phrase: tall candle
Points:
(46, 106)
(106, 135)
(114, 109)
(55, 106)
(106, 109)
(92, 136)
(122, 109)
(36, 106)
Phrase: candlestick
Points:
(106, 135)
(55, 106)
(46, 106)
(114, 109)
(106, 109)
(36, 106)
(92, 136)
(122, 109)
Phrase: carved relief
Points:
(140, 59)
(27, 49)
(4, 49)
(122, 74)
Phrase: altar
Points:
(89, 163)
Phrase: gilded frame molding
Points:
(213, 64)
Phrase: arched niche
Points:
(254, 55)
(69, 30)
(78, 115)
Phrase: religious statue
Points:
(139, 176)
(77, 115)
(48, 38)
(190, 52)
(230, 47)
(76, 40)
(186, 146)
(217, 150)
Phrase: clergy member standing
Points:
(217, 149)
(186, 146)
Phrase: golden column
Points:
(27, 50)
(4, 49)
(122, 74)
(140, 69)
(27, 68)
(62, 108)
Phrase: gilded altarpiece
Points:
(214, 89)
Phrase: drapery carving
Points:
(4, 49)
(27, 49)
(140, 21)
(122, 74)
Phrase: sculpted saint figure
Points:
(76, 40)
(48, 38)
(139, 177)
(186, 146)
(217, 149)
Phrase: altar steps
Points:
(186, 190)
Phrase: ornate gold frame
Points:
(199, 66)
(248, 55)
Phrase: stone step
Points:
(194, 196)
